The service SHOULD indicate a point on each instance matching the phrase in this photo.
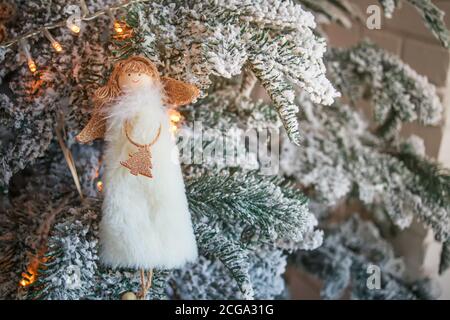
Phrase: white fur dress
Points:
(146, 222)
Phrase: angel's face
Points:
(131, 81)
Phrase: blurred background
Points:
(406, 36)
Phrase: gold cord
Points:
(138, 144)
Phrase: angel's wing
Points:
(95, 128)
(179, 93)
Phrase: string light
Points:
(174, 117)
(99, 183)
(27, 278)
(30, 275)
(85, 17)
(74, 23)
(74, 28)
(116, 24)
(84, 8)
(26, 51)
(118, 27)
(55, 44)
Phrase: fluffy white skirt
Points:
(146, 222)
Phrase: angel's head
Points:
(136, 73)
(128, 75)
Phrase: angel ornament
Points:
(145, 221)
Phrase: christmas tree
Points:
(250, 219)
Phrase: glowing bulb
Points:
(75, 29)
(28, 277)
(100, 186)
(74, 21)
(118, 27)
(175, 117)
(55, 44)
(116, 24)
(26, 51)
(32, 65)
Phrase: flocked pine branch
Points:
(339, 11)
(235, 259)
(433, 18)
(226, 108)
(432, 178)
(208, 43)
(397, 92)
(244, 198)
(330, 153)
(250, 32)
(179, 39)
(342, 159)
(345, 12)
(445, 257)
(72, 270)
(343, 264)
(63, 83)
(267, 265)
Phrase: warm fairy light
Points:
(32, 65)
(96, 175)
(74, 23)
(75, 29)
(118, 27)
(100, 186)
(30, 275)
(26, 51)
(55, 44)
(175, 118)
(116, 24)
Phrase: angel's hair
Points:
(111, 89)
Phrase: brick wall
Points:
(406, 36)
